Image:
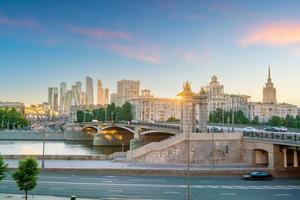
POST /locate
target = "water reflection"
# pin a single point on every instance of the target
(55, 148)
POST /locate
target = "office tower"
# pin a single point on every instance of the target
(106, 96)
(53, 98)
(269, 91)
(75, 96)
(100, 93)
(68, 101)
(127, 89)
(89, 91)
(79, 92)
(62, 92)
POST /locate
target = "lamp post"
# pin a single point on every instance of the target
(2, 125)
(43, 158)
(188, 192)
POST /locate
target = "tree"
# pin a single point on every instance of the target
(127, 111)
(255, 120)
(118, 114)
(80, 116)
(172, 119)
(275, 121)
(99, 114)
(111, 112)
(26, 175)
(3, 168)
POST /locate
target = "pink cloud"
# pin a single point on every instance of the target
(101, 33)
(194, 57)
(147, 54)
(277, 34)
(19, 23)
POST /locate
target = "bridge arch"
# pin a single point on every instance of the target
(117, 128)
(90, 129)
(154, 136)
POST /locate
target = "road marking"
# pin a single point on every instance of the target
(170, 192)
(57, 188)
(231, 194)
(282, 194)
(147, 180)
(115, 190)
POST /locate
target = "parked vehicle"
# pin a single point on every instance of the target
(151, 122)
(216, 129)
(282, 129)
(250, 130)
(257, 175)
(272, 129)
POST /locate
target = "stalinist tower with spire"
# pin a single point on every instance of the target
(269, 92)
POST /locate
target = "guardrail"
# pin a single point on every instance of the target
(286, 137)
(154, 125)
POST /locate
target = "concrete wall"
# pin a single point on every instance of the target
(30, 135)
(225, 148)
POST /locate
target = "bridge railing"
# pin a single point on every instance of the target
(154, 125)
(293, 137)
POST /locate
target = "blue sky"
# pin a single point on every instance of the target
(162, 43)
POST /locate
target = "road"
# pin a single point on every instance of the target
(158, 188)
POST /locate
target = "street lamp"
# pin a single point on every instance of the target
(2, 121)
(43, 158)
(188, 192)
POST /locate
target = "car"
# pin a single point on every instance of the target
(272, 129)
(216, 129)
(250, 130)
(151, 122)
(257, 175)
(282, 129)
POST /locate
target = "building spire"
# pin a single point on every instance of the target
(269, 77)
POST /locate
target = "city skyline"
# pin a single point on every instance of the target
(234, 40)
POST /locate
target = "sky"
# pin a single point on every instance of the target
(161, 43)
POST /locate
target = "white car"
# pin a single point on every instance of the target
(250, 130)
(151, 122)
(282, 129)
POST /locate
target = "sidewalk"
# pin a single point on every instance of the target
(106, 164)
(34, 197)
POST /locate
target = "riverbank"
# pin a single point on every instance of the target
(34, 197)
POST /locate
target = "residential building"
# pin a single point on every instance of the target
(113, 98)
(264, 111)
(147, 107)
(218, 99)
(269, 92)
(16, 105)
(89, 91)
(126, 90)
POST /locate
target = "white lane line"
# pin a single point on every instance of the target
(115, 190)
(52, 188)
(147, 180)
(206, 181)
(228, 194)
(282, 194)
(170, 192)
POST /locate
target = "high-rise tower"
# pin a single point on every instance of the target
(62, 96)
(269, 92)
(89, 91)
(100, 93)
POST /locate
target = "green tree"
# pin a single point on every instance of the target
(255, 120)
(99, 114)
(297, 121)
(26, 175)
(80, 116)
(3, 168)
(10, 118)
(127, 111)
(275, 121)
(111, 112)
(172, 119)
(290, 121)
(118, 114)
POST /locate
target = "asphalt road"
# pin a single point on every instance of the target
(154, 187)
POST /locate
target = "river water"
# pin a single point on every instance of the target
(10, 147)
